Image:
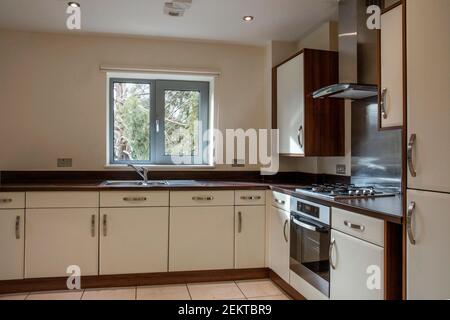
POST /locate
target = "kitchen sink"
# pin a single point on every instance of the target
(139, 183)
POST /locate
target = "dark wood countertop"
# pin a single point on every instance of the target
(388, 209)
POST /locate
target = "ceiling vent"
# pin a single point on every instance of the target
(177, 8)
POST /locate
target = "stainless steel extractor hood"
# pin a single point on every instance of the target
(357, 54)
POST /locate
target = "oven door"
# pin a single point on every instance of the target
(309, 251)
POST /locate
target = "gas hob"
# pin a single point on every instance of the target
(342, 191)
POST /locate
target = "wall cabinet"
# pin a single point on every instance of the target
(58, 238)
(134, 240)
(391, 68)
(353, 260)
(201, 238)
(250, 236)
(308, 127)
(11, 243)
(279, 242)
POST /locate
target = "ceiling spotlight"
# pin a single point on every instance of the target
(248, 18)
(74, 4)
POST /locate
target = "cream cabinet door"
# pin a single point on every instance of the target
(428, 52)
(250, 236)
(11, 244)
(134, 240)
(279, 242)
(391, 46)
(201, 238)
(290, 106)
(358, 272)
(59, 238)
(428, 259)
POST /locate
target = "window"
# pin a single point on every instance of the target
(158, 121)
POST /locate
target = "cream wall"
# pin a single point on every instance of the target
(54, 96)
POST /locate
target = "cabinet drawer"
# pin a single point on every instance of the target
(359, 226)
(281, 201)
(111, 199)
(250, 198)
(201, 198)
(62, 200)
(12, 200)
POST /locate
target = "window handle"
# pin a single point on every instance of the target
(157, 125)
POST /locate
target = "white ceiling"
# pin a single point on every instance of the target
(220, 20)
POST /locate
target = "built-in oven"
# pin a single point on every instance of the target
(310, 243)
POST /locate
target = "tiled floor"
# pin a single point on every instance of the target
(239, 290)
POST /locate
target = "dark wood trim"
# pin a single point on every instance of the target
(393, 234)
(89, 282)
(285, 286)
(380, 128)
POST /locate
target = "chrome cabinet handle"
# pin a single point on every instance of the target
(130, 199)
(354, 226)
(105, 225)
(409, 215)
(157, 125)
(239, 222)
(250, 198)
(6, 200)
(206, 198)
(284, 230)
(300, 131)
(18, 227)
(93, 226)
(411, 144)
(330, 253)
(280, 201)
(383, 103)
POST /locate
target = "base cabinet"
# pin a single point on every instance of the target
(201, 238)
(11, 244)
(358, 272)
(59, 238)
(279, 242)
(250, 236)
(134, 240)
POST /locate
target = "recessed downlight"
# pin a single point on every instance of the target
(248, 18)
(74, 4)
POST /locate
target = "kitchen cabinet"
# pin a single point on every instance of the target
(134, 240)
(428, 99)
(356, 263)
(58, 238)
(279, 242)
(201, 238)
(250, 236)
(11, 243)
(308, 127)
(428, 254)
(391, 82)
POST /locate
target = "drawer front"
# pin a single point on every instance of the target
(281, 201)
(12, 200)
(201, 198)
(250, 198)
(111, 199)
(62, 200)
(359, 226)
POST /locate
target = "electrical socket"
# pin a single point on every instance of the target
(64, 163)
(341, 169)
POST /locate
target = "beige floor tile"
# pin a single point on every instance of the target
(175, 292)
(110, 294)
(259, 288)
(56, 295)
(215, 291)
(15, 296)
(280, 297)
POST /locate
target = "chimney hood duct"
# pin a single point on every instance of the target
(357, 54)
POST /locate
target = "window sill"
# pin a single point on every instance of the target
(162, 167)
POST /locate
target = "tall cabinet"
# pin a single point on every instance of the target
(428, 150)
(308, 127)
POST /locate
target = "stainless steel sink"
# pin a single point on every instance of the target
(153, 183)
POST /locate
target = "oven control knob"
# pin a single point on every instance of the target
(351, 192)
(358, 192)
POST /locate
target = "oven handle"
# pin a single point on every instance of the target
(306, 225)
